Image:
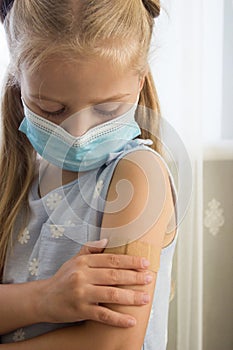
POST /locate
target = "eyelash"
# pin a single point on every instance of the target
(54, 114)
(61, 111)
(105, 113)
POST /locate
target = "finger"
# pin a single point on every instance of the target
(117, 261)
(111, 295)
(107, 316)
(118, 277)
(93, 247)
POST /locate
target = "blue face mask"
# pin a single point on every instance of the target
(83, 153)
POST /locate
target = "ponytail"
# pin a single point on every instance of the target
(17, 165)
(148, 118)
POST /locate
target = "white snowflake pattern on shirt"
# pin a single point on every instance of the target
(57, 231)
(33, 267)
(19, 335)
(24, 236)
(53, 201)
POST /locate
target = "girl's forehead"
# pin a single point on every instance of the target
(73, 69)
(63, 78)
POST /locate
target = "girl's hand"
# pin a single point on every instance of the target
(87, 279)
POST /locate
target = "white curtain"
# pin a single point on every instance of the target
(187, 64)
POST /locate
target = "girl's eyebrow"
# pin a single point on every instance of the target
(95, 101)
(41, 97)
(112, 98)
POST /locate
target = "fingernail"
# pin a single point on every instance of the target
(131, 322)
(103, 241)
(148, 278)
(145, 262)
(146, 298)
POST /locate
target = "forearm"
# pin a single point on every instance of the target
(72, 338)
(92, 334)
(20, 305)
(81, 337)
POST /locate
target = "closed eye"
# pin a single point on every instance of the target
(54, 114)
(106, 113)
(106, 110)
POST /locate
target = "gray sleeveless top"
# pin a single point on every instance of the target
(60, 223)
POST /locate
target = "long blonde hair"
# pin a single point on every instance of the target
(35, 31)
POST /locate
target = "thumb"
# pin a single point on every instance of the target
(93, 247)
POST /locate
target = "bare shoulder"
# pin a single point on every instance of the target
(144, 160)
(148, 170)
(139, 198)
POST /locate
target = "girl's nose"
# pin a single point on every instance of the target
(79, 123)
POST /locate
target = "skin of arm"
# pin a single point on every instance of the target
(15, 314)
(148, 178)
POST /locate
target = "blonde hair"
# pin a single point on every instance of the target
(38, 29)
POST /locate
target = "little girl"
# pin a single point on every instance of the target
(77, 96)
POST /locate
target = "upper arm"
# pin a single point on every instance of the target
(138, 207)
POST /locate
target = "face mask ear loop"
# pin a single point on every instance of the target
(22, 100)
(25, 107)
(138, 98)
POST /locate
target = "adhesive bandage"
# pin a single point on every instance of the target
(138, 248)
